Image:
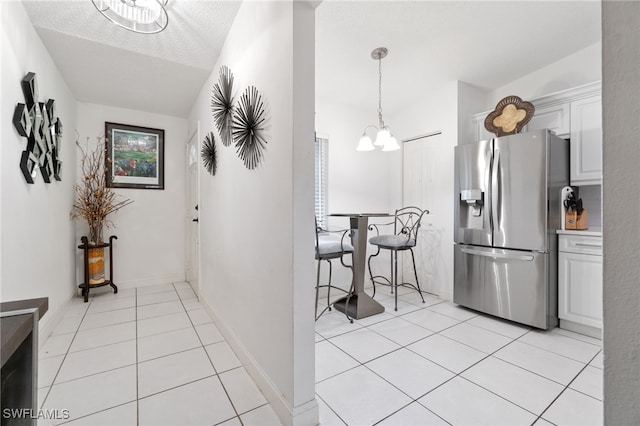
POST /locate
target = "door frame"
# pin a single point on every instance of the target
(194, 137)
(404, 202)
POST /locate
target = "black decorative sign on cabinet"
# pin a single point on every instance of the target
(37, 122)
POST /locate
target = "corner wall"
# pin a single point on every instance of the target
(435, 113)
(38, 244)
(256, 226)
(621, 153)
(150, 248)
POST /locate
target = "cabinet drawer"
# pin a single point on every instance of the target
(580, 244)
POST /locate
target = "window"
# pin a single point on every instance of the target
(322, 157)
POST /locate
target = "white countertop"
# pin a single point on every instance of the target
(594, 232)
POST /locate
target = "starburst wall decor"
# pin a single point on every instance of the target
(222, 105)
(209, 154)
(249, 125)
(242, 123)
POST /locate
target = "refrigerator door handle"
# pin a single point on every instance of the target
(523, 257)
(496, 187)
(490, 190)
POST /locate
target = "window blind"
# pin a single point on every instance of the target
(321, 169)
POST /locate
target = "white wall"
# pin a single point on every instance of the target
(582, 67)
(257, 225)
(358, 181)
(38, 244)
(150, 248)
(435, 113)
(621, 109)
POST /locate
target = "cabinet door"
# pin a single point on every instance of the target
(554, 118)
(580, 288)
(586, 141)
(480, 133)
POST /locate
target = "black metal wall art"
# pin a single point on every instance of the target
(222, 105)
(249, 122)
(37, 122)
(209, 155)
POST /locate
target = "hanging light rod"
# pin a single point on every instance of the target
(140, 16)
(384, 138)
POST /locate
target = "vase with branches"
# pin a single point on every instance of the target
(95, 202)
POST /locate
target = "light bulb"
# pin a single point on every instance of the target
(383, 137)
(391, 145)
(365, 143)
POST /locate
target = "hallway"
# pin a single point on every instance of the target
(145, 356)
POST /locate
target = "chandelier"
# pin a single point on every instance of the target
(140, 16)
(384, 138)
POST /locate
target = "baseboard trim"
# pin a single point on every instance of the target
(45, 329)
(305, 414)
(145, 282)
(587, 330)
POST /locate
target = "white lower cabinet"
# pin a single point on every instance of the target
(580, 283)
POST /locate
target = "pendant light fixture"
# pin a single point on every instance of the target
(140, 16)
(384, 138)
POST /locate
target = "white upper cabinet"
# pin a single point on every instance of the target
(480, 133)
(574, 113)
(552, 117)
(586, 141)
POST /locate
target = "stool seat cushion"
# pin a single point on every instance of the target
(393, 241)
(329, 244)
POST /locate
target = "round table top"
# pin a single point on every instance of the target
(360, 214)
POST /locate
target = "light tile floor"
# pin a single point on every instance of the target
(146, 356)
(438, 363)
(152, 356)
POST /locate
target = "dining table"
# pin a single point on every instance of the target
(360, 304)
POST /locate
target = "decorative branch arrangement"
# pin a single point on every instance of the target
(95, 201)
(209, 154)
(249, 127)
(222, 105)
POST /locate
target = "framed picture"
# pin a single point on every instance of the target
(135, 156)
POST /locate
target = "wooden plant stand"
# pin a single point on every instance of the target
(85, 286)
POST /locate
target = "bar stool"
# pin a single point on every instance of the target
(329, 246)
(406, 225)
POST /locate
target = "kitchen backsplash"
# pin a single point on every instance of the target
(592, 201)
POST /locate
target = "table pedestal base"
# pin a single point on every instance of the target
(360, 306)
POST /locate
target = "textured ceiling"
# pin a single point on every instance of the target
(103, 63)
(484, 43)
(487, 44)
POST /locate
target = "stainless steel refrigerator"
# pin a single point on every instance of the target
(507, 210)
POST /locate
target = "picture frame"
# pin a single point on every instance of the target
(134, 156)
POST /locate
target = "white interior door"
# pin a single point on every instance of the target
(428, 183)
(192, 216)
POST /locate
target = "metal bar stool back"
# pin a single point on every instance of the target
(329, 246)
(406, 227)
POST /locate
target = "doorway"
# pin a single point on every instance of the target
(192, 215)
(427, 183)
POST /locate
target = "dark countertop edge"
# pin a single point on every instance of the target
(15, 329)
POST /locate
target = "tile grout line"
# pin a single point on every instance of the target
(568, 387)
(332, 410)
(75, 333)
(137, 363)
(512, 339)
(216, 374)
